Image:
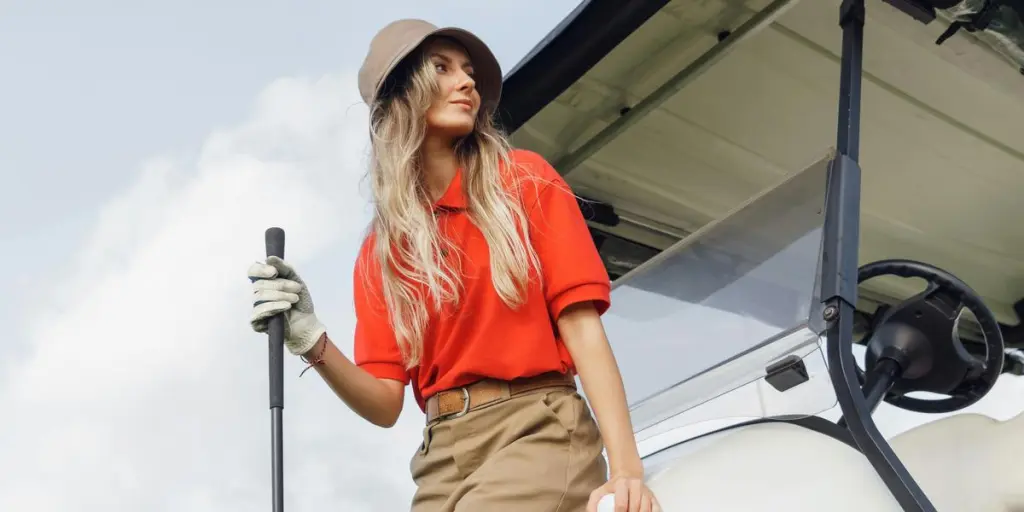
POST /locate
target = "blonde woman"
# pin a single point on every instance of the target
(479, 287)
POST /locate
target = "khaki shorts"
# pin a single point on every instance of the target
(539, 451)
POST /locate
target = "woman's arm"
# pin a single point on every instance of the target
(379, 401)
(583, 334)
(577, 290)
(278, 289)
(581, 330)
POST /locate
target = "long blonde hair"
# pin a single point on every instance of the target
(408, 245)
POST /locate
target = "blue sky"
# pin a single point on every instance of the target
(146, 148)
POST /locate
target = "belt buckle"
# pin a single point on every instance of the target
(465, 406)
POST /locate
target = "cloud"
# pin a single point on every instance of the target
(144, 388)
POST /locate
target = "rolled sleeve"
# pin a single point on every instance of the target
(375, 348)
(572, 269)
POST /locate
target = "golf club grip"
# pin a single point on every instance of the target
(275, 329)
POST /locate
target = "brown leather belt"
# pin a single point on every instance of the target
(455, 402)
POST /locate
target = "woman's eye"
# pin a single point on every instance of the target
(439, 67)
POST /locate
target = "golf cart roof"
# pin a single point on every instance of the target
(673, 113)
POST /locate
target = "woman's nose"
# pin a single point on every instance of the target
(466, 81)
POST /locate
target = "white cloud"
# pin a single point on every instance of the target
(146, 390)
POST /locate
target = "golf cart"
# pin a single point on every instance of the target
(772, 286)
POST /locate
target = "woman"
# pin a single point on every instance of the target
(478, 285)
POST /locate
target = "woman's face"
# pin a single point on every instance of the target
(453, 113)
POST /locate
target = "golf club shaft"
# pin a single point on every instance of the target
(275, 333)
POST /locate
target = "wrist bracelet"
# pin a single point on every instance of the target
(319, 359)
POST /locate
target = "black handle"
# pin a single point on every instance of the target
(275, 328)
(275, 333)
(275, 242)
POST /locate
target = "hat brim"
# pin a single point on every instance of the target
(487, 70)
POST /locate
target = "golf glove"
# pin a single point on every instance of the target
(277, 289)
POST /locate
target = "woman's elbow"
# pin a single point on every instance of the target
(389, 405)
(386, 422)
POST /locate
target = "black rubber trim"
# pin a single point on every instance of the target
(819, 425)
(577, 44)
(815, 423)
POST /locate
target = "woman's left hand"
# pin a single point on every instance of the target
(631, 495)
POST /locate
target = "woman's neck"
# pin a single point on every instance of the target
(439, 166)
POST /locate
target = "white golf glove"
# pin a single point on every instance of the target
(279, 289)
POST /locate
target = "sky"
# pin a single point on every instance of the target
(147, 146)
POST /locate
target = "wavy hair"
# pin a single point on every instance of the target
(408, 245)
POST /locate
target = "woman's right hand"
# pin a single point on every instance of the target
(277, 288)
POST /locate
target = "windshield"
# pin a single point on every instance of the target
(709, 314)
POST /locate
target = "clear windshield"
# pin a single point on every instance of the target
(708, 315)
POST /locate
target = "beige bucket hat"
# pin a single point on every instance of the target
(400, 38)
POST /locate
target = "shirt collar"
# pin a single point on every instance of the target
(453, 198)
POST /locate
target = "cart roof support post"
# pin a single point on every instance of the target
(839, 269)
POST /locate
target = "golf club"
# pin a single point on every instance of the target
(275, 333)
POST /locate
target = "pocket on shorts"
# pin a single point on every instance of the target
(564, 407)
(421, 451)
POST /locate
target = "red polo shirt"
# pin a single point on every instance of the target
(482, 337)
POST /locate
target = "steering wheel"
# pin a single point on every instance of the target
(922, 332)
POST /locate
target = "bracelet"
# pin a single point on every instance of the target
(319, 359)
